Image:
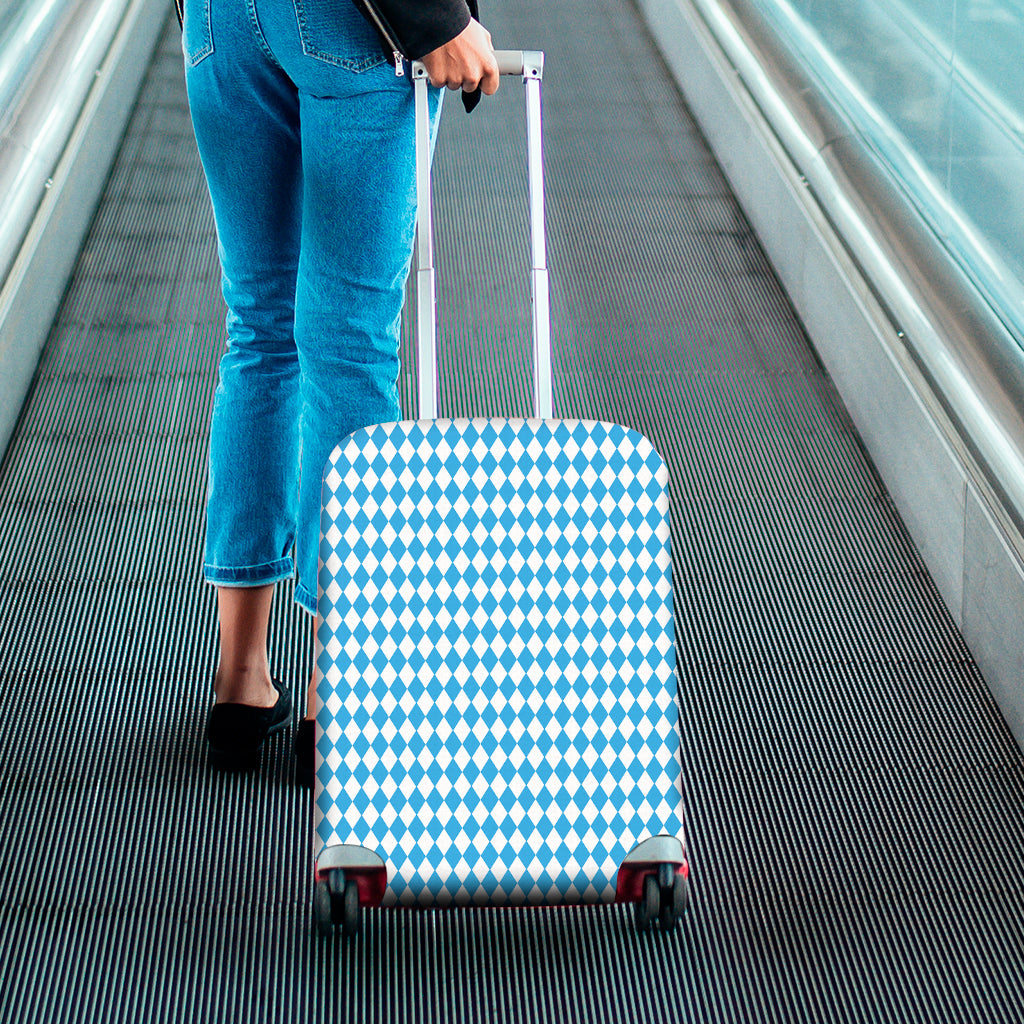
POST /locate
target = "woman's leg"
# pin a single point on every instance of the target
(245, 115)
(357, 231)
(358, 226)
(243, 675)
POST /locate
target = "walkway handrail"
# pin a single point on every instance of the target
(972, 360)
(49, 97)
(69, 74)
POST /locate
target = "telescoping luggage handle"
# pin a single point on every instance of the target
(529, 64)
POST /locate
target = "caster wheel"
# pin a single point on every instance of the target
(667, 915)
(336, 885)
(649, 905)
(351, 918)
(322, 909)
(681, 895)
(675, 899)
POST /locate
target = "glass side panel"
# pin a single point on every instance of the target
(936, 88)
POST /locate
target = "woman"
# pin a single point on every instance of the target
(305, 125)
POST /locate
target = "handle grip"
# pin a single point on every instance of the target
(524, 63)
(528, 63)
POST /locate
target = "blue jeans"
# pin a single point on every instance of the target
(306, 137)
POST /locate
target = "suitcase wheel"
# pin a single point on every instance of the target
(681, 894)
(649, 904)
(336, 901)
(675, 900)
(350, 916)
(322, 909)
(665, 898)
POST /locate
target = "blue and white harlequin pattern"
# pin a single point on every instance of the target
(495, 657)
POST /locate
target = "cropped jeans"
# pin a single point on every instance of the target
(306, 138)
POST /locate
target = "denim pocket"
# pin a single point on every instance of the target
(336, 33)
(196, 36)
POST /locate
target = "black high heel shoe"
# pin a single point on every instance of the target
(236, 732)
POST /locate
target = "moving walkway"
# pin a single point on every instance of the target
(855, 796)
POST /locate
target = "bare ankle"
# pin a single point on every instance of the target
(245, 686)
(311, 699)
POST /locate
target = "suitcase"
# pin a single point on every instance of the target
(495, 658)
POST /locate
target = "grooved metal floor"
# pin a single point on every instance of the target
(855, 803)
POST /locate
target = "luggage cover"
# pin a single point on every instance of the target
(495, 658)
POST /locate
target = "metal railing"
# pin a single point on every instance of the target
(69, 73)
(951, 289)
(52, 53)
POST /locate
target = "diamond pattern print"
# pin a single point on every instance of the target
(495, 657)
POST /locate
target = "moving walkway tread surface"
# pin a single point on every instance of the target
(855, 803)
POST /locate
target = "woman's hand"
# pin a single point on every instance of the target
(467, 61)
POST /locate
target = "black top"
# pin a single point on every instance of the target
(424, 25)
(420, 26)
